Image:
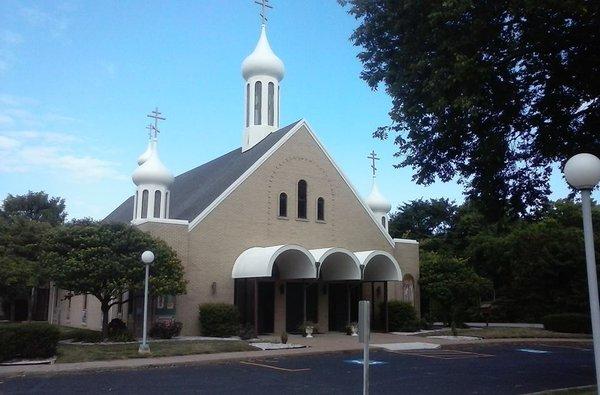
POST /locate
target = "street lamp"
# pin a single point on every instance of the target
(582, 172)
(147, 259)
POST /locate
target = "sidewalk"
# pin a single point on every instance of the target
(320, 344)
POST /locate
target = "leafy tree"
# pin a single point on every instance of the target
(104, 260)
(21, 270)
(492, 93)
(422, 218)
(35, 206)
(451, 286)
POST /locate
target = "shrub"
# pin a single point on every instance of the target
(33, 340)
(166, 329)
(402, 317)
(85, 336)
(567, 323)
(247, 332)
(219, 319)
(284, 337)
(118, 332)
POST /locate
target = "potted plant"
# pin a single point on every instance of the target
(308, 328)
(352, 329)
(284, 337)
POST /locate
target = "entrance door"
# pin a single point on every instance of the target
(266, 307)
(294, 306)
(338, 307)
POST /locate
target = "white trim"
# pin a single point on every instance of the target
(406, 241)
(322, 254)
(365, 257)
(244, 176)
(160, 221)
(259, 261)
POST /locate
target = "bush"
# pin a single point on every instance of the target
(33, 340)
(247, 332)
(402, 317)
(567, 323)
(85, 336)
(118, 332)
(219, 320)
(166, 329)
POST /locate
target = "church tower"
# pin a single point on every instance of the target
(262, 71)
(378, 204)
(152, 178)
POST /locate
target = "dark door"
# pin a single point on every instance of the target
(338, 307)
(294, 306)
(266, 307)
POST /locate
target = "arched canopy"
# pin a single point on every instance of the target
(379, 266)
(337, 264)
(284, 261)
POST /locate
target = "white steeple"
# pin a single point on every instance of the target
(153, 179)
(378, 204)
(262, 70)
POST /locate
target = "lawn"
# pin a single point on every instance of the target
(511, 333)
(98, 352)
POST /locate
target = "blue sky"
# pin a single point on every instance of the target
(77, 79)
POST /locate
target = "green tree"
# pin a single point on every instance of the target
(492, 93)
(451, 286)
(35, 206)
(21, 270)
(103, 260)
(419, 219)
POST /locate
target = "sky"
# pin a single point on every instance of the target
(77, 79)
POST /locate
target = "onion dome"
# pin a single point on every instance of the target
(377, 202)
(263, 61)
(152, 171)
(144, 157)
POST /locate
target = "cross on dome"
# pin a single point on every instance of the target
(373, 157)
(157, 116)
(264, 4)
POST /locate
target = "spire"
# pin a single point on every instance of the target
(378, 204)
(263, 71)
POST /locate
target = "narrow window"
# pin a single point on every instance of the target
(135, 205)
(145, 203)
(120, 305)
(283, 204)
(383, 221)
(247, 105)
(271, 104)
(321, 209)
(257, 103)
(157, 204)
(85, 302)
(302, 199)
(167, 204)
(278, 112)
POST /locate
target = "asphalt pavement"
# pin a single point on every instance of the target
(468, 369)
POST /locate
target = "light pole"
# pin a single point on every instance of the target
(582, 172)
(147, 259)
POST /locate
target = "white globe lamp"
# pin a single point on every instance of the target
(582, 171)
(147, 259)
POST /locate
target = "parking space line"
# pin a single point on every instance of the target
(274, 367)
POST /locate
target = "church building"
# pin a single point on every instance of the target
(274, 227)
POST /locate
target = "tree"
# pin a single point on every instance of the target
(21, 271)
(103, 260)
(492, 93)
(35, 206)
(420, 218)
(451, 286)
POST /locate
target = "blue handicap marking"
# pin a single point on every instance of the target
(532, 351)
(360, 362)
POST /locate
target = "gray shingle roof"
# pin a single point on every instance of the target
(196, 189)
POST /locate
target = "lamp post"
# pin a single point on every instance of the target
(147, 259)
(582, 172)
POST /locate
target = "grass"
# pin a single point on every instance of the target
(98, 352)
(511, 333)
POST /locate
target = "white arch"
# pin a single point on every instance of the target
(379, 266)
(292, 262)
(337, 264)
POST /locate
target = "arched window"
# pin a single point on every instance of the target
(145, 204)
(320, 209)
(383, 221)
(247, 105)
(278, 112)
(283, 204)
(271, 103)
(157, 204)
(135, 205)
(167, 203)
(302, 199)
(257, 103)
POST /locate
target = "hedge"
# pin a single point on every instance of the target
(26, 341)
(567, 323)
(166, 329)
(402, 317)
(219, 320)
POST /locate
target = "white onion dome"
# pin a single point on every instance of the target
(377, 202)
(263, 61)
(144, 157)
(152, 170)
